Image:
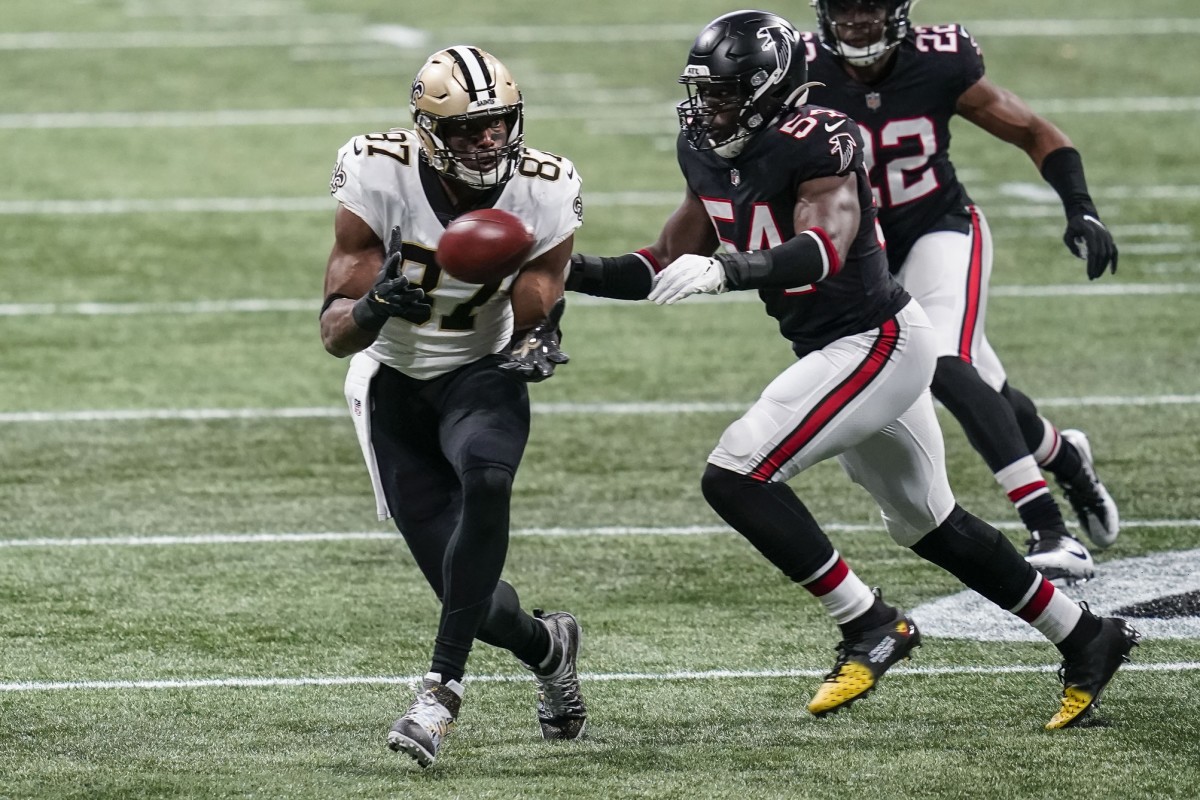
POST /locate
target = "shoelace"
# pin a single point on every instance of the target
(431, 715)
(1082, 489)
(843, 656)
(560, 693)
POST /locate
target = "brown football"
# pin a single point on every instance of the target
(484, 246)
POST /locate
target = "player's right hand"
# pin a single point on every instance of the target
(1087, 238)
(688, 275)
(392, 296)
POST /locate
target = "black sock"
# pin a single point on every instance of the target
(1067, 465)
(880, 613)
(1042, 514)
(1084, 631)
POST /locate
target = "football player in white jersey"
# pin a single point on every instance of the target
(437, 382)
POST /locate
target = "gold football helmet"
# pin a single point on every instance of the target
(465, 85)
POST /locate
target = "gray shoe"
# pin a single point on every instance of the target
(421, 730)
(560, 709)
(1093, 505)
(1062, 559)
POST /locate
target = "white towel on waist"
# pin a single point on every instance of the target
(358, 397)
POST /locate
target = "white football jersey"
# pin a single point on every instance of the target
(377, 178)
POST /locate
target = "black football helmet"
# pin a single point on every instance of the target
(895, 27)
(748, 62)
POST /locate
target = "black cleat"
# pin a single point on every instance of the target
(561, 712)
(1085, 676)
(861, 663)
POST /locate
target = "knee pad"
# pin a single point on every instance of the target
(482, 483)
(1033, 427)
(956, 380)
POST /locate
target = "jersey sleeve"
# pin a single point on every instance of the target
(822, 143)
(556, 207)
(364, 184)
(955, 53)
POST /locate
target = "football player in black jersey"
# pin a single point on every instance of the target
(902, 84)
(783, 186)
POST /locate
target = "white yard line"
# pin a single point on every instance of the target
(616, 409)
(389, 116)
(587, 677)
(406, 37)
(262, 305)
(1039, 198)
(196, 539)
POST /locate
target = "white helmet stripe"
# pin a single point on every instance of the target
(474, 69)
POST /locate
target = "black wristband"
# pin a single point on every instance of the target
(1063, 170)
(366, 317)
(627, 277)
(808, 257)
(330, 301)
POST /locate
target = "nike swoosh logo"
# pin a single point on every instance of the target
(1081, 555)
(831, 128)
(357, 148)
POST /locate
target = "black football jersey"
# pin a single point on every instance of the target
(905, 122)
(751, 201)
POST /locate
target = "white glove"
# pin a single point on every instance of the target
(688, 275)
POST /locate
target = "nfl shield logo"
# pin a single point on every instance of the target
(873, 101)
(735, 177)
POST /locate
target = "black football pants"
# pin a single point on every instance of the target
(448, 449)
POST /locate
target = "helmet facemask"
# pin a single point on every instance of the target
(891, 20)
(745, 67)
(460, 90)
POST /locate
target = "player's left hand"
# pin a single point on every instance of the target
(534, 354)
(687, 275)
(1087, 238)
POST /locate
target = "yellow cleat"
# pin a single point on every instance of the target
(861, 663)
(1085, 675)
(1075, 704)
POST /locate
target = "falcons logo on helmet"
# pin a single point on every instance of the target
(843, 146)
(783, 41)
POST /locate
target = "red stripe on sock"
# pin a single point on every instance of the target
(1022, 492)
(830, 580)
(1037, 604)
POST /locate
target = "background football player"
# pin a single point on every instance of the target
(437, 393)
(784, 186)
(902, 85)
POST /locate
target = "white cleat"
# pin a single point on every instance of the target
(1093, 505)
(1063, 560)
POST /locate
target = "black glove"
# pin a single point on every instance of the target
(391, 296)
(534, 354)
(1087, 238)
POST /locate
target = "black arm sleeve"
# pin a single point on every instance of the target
(1063, 170)
(805, 258)
(627, 277)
